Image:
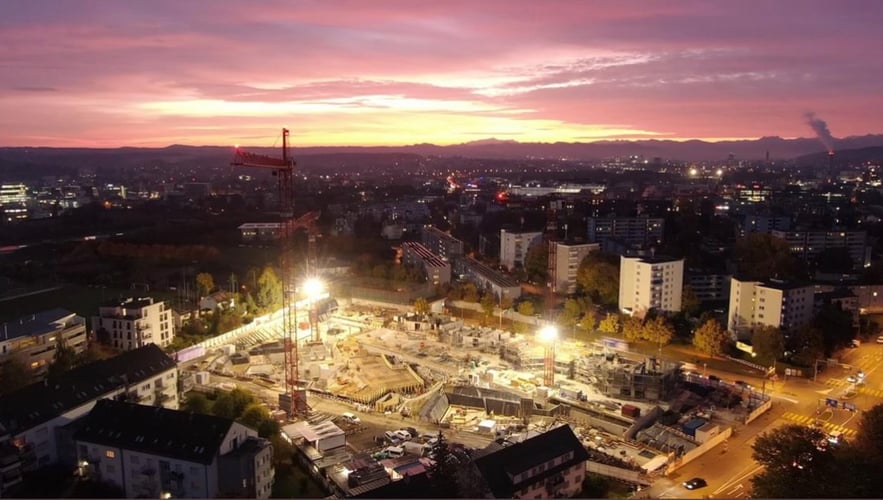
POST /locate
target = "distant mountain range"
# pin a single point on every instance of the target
(804, 149)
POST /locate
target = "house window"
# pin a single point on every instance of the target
(110, 454)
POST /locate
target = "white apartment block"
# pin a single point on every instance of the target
(647, 283)
(773, 303)
(35, 416)
(564, 261)
(33, 339)
(514, 246)
(152, 452)
(437, 271)
(135, 323)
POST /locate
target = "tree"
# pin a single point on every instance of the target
(870, 435)
(197, 403)
(807, 344)
(470, 292)
(573, 311)
(796, 463)
(689, 301)
(589, 320)
(526, 308)
(711, 337)
(659, 331)
(768, 344)
(836, 326)
(204, 284)
(536, 263)
(232, 404)
(595, 486)
(610, 324)
(421, 306)
(633, 329)
(598, 276)
(488, 304)
(65, 358)
(253, 415)
(14, 375)
(269, 290)
(443, 471)
(762, 255)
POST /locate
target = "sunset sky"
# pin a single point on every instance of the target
(152, 73)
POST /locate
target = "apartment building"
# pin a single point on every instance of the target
(441, 243)
(514, 246)
(629, 230)
(772, 303)
(34, 416)
(135, 323)
(33, 339)
(550, 465)
(564, 261)
(151, 452)
(647, 283)
(755, 223)
(260, 231)
(438, 271)
(807, 245)
(709, 285)
(484, 277)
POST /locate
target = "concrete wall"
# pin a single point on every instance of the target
(700, 450)
(760, 410)
(631, 476)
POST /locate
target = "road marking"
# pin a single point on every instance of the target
(808, 421)
(739, 478)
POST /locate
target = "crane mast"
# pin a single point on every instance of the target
(294, 399)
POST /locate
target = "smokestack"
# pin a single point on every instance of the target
(830, 161)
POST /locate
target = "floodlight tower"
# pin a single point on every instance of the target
(548, 335)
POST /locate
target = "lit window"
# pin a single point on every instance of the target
(110, 454)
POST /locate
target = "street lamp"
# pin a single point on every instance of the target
(548, 335)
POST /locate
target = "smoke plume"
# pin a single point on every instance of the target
(821, 129)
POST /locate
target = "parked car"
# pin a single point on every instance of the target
(880, 339)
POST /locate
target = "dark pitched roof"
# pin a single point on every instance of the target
(499, 467)
(42, 401)
(152, 429)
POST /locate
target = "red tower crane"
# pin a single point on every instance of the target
(294, 399)
(283, 169)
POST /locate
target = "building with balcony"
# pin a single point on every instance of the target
(647, 283)
(775, 303)
(550, 465)
(151, 452)
(438, 270)
(33, 339)
(35, 416)
(441, 243)
(135, 323)
(514, 246)
(564, 261)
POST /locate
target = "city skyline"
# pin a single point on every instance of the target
(109, 74)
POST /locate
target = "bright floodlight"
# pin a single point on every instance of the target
(548, 334)
(313, 287)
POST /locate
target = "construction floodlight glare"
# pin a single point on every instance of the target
(548, 334)
(313, 287)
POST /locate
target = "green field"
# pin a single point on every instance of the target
(81, 300)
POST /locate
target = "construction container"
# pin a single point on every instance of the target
(202, 378)
(690, 427)
(630, 411)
